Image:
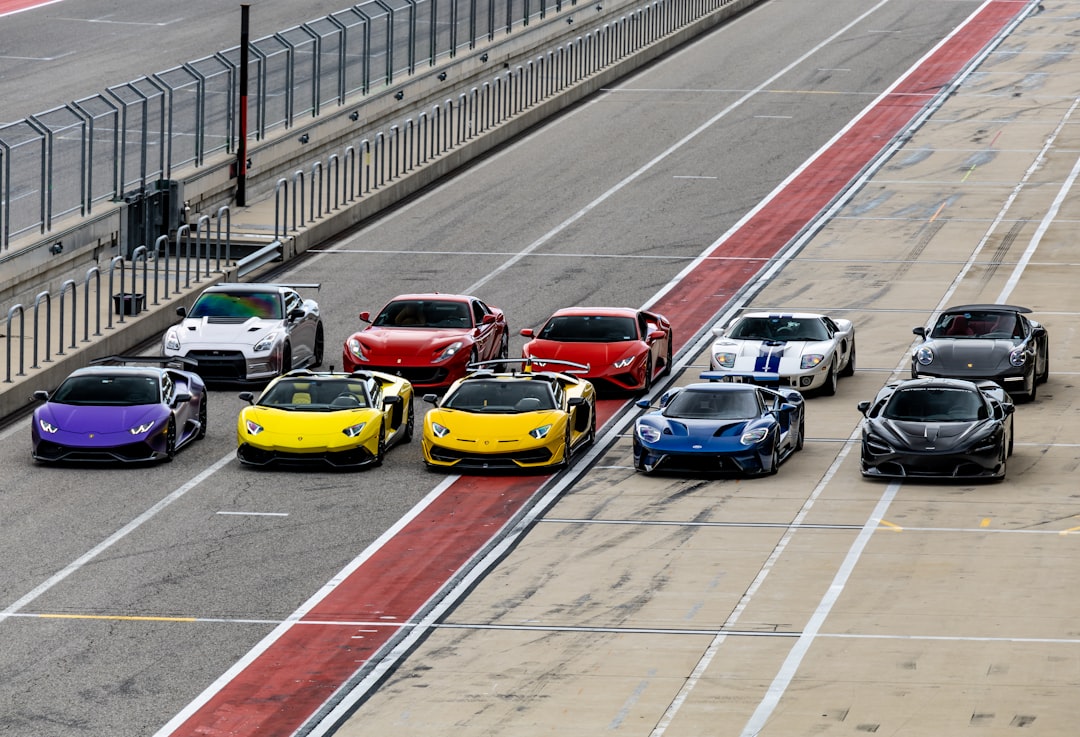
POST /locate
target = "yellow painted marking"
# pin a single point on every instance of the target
(968, 174)
(1069, 531)
(937, 212)
(895, 528)
(985, 522)
(118, 616)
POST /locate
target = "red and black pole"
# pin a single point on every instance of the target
(241, 151)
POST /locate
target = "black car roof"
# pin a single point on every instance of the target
(988, 307)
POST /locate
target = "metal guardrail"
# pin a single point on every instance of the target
(362, 167)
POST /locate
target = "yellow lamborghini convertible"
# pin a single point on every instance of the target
(338, 419)
(491, 420)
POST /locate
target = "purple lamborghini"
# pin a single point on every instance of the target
(119, 413)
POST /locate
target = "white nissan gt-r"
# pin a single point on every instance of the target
(248, 332)
(800, 350)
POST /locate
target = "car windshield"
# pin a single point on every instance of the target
(415, 313)
(779, 327)
(244, 305)
(702, 404)
(589, 329)
(111, 391)
(510, 397)
(316, 395)
(935, 404)
(978, 324)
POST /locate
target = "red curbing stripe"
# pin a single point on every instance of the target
(282, 687)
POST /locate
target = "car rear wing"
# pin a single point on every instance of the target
(180, 362)
(758, 378)
(528, 364)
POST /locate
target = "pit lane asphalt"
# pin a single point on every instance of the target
(248, 570)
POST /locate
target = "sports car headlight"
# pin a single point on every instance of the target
(925, 356)
(540, 432)
(266, 343)
(356, 348)
(648, 433)
(624, 362)
(810, 360)
(1018, 357)
(253, 428)
(172, 340)
(354, 430)
(724, 360)
(750, 437)
(140, 429)
(439, 431)
(47, 426)
(449, 351)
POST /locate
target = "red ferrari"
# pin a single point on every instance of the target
(428, 339)
(624, 348)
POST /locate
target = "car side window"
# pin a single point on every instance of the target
(292, 301)
(479, 310)
(831, 327)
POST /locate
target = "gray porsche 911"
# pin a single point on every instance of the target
(992, 342)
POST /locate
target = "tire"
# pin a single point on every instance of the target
(380, 452)
(319, 347)
(504, 349)
(670, 358)
(202, 418)
(849, 367)
(567, 447)
(591, 438)
(286, 359)
(648, 375)
(1041, 378)
(802, 434)
(410, 424)
(1029, 396)
(774, 462)
(170, 440)
(828, 389)
(1012, 436)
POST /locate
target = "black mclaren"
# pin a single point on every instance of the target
(937, 428)
(985, 341)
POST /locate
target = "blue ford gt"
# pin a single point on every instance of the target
(722, 426)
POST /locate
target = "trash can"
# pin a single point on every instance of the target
(128, 303)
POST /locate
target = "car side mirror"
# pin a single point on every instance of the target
(920, 331)
(181, 311)
(247, 397)
(488, 319)
(181, 398)
(40, 394)
(431, 398)
(718, 331)
(1039, 331)
(297, 313)
(527, 332)
(1008, 409)
(392, 400)
(365, 316)
(786, 407)
(863, 407)
(577, 401)
(656, 335)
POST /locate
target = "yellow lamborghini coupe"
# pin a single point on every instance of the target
(338, 419)
(491, 420)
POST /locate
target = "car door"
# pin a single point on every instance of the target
(487, 333)
(301, 330)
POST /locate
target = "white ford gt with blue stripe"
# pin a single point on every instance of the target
(805, 350)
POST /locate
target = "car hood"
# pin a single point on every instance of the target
(83, 419)
(214, 331)
(939, 436)
(976, 351)
(696, 434)
(770, 356)
(410, 342)
(307, 423)
(599, 357)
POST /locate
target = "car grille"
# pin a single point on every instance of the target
(416, 375)
(490, 460)
(220, 365)
(131, 453)
(340, 459)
